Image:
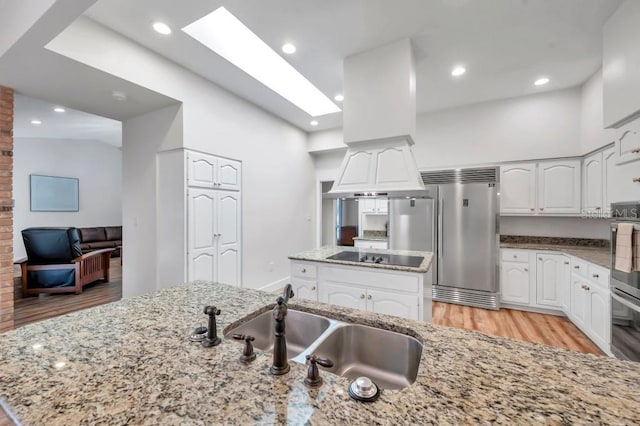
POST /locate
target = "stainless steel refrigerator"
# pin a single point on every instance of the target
(457, 218)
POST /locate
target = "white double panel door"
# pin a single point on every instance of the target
(214, 236)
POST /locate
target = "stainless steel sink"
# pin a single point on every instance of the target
(302, 330)
(390, 359)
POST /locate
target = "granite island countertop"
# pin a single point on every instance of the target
(129, 362)
(321, 254)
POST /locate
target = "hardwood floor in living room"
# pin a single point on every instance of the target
(31, 309)
(519, 325)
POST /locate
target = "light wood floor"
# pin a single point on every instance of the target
(519, 325)
(526, 326)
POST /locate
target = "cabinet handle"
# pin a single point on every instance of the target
(576, 267)
(541, 208)
(566, 263)
(596, 276)
(303, 270)
(313, 288)
(636, 150)
(540, 259)
(533, 210)
(597, 208)
(515, 256)
(636, 180)
(369, 297)
(526, 269)
(362, 296)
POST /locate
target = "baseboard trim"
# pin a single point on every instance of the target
(532, 309)
(276, 285)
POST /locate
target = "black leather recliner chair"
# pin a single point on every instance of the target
(55, 263)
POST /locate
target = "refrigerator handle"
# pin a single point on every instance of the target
(440, 237)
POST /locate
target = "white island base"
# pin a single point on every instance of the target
(373, 288)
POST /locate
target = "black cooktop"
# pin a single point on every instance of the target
(379, 258)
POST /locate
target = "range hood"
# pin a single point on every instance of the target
(379, 115)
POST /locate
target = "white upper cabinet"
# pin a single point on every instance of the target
(518, 188)
(592, 183)
(628, 142)
(209, 171)
(545, 188)
(621, 64)
(559, 187)
(608, 181)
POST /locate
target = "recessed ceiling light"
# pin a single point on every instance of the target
(288, 48)
(339, 98)
(36, 122)
(59, 109)
(314, 123)
(119, 96)
(224, 34)
(541, 81)
(162, 28)
(458, 71)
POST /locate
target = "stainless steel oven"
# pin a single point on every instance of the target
(625, 290)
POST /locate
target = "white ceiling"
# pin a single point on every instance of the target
(504, 44)
(71, 124)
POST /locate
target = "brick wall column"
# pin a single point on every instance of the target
(6, 209)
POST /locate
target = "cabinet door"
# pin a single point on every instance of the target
(201, 170)
(599, 321)
(201, 245)
(515, 282)
(367, 205)
(628, 143)
(229, 174)
(579, 301)
(559, 187)
(517, 188)
(592, 184)
(228, 237)
(549, 276)
(305, 289)
(565, 286)
(608, 180)
(400, 305)
(342, 295)
(382, 206)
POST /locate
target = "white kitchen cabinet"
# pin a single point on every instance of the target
(550, 276)
(592, 183)
(544, 188)
(599, 319)
(628, 142)
(304, 280)
(579, 301)
(210, 171)
(608, 180)
(375, 244)
(515, 282)
(559, 187)
(621, 64)
(373, 205)
(201, 221)
(386, 292)
(343, 295)
(518, 188)
(565, 286)
(213, 244)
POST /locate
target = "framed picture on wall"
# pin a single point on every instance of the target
(54, 194)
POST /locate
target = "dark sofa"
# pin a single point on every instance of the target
(100, 237)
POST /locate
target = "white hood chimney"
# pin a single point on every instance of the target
(379, 121)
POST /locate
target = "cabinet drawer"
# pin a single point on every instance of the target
(515, 256)
(303, 270)
(579, 267)
(598, 275)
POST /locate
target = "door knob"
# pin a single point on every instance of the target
(369, 297)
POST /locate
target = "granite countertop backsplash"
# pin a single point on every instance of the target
(596, 251)
(129, 362)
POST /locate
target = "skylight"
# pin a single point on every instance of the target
(223, 33)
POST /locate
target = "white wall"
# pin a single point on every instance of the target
(592, 133)
(97, 165)
(278, 175)
(538, 126)
(555, 227)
